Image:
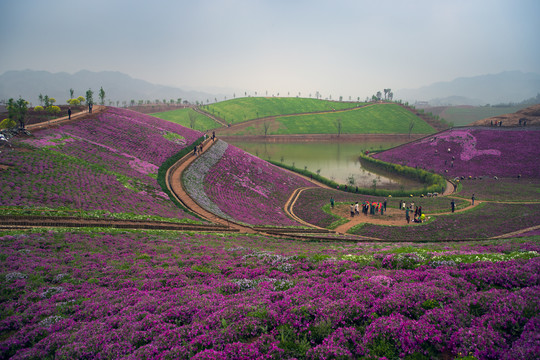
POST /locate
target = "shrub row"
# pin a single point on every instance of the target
(432, 182)
(162, 172)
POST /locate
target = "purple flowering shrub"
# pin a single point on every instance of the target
(503, 189)
(248, 189)
(104, 164)
(312, 203)
(473, 152)
(128, 132)
(204, 296)
(502, 219)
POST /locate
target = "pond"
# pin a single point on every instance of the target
(337, 161)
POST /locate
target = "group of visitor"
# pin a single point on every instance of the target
(198, 149)
(373, 208)
(418, 217)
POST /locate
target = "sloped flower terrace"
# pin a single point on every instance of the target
(501, 152)
(105, 164)
(241, 187)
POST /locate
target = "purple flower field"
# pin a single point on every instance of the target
(117, 294)
(242, 186)
(108, 164)
(161, 295)
(485, 221)
(473, 152)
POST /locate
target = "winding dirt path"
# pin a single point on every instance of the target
(174, 184)
(97, 109)
(392, 216)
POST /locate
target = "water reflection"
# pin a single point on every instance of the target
(334, 160)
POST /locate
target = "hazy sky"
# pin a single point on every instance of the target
(349, 48)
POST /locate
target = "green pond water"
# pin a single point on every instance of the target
(336, 161)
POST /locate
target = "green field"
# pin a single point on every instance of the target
(181, 116)
(460, 116)
(375, 119)
(243, 109)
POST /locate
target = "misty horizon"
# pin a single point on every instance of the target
(343, 48)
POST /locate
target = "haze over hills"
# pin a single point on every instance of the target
(118, 87)
(505, 87)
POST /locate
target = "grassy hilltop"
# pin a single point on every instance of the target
(289, 116)
(249, 108)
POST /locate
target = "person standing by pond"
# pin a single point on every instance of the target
(453, 205)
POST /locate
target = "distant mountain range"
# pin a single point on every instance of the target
(117, 86)
(506, 87)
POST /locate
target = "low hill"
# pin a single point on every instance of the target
(505, 87)
(248, 108)
(466, 115)
(188, 117)
(378, 118)
(473, 151)
(529, 116)
(103, 165)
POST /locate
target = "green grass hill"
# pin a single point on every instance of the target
(248, 108)
(184, 117)
(370, 119)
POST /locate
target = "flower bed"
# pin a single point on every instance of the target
(474, 152)
(502, 219)
(174, 296)
(243, 187)
(504, 189)
(107, 164)
(312, 203)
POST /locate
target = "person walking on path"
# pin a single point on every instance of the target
(332, 202)
(384, 204)
(407, 215)
(69, 113)
(453, 205)
(352, 210)
(356, 209)
(472, 198)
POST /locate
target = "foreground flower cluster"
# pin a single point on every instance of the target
(501, 152)
(108, 163)
(171, 296)
(242, 187)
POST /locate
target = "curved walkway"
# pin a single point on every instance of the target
(173, 179)
(342, 229)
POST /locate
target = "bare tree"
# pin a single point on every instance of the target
(411, 126)
(266, 127)
(192, 119)
(338, 125)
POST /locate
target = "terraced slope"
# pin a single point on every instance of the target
(473, 151)
(103, 165)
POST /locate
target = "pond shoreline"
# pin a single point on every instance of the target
(322, 138)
